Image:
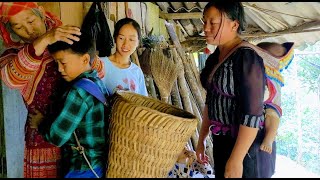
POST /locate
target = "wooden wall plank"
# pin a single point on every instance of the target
(53, 7)
(152, 18)
(72, 13)
(15, 115)
(190, 15)
(113, 11)
(121, 12)
(136, 11)
(86, 7)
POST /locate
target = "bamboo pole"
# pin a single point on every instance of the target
(209, 147)
(194, 67)
(191, 80)
(196, 112)
(150, 85)
(177, 56)
(185, 96)
(195, 136)
(195, 139)
(189, 145)
(175, 95)
(197, 76)
(209, 150)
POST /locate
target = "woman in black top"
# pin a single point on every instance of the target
(234, 78)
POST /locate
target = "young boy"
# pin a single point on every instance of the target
(81, 112)
(272, 117)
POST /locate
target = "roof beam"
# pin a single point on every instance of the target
(190, 15)
(304, 28)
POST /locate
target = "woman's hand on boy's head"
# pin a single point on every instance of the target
(67, 33)
(62, 33)
(35, 119)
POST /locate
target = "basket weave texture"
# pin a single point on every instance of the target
(146, 136)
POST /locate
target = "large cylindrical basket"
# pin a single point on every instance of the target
(146, 136)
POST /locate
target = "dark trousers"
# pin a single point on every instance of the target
(256, 164)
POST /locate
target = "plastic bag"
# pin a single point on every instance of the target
(188, 167)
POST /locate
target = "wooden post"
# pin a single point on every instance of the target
(3, 166)
(86, 7)
(14, 115)
(53, 7)
(72, 13)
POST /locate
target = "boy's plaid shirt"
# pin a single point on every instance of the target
(84, 114)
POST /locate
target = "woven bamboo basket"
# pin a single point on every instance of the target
(146, 136)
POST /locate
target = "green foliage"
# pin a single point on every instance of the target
(300, 103)
(309, 70)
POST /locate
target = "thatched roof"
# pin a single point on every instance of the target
(267, 21)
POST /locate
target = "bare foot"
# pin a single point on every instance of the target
(266, 146)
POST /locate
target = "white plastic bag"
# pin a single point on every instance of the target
(188, 167)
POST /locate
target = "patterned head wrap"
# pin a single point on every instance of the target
(8, 9)
(8, 39)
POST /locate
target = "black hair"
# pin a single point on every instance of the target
(123, 22)
(266, 45)
(234, 10)
(83, 46)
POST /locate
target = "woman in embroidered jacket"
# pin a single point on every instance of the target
(234, 78)
(26, 30)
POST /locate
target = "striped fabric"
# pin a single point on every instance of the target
(274, 98)
(235, 95)
(42, 163)
(287, 59)
(24, 71)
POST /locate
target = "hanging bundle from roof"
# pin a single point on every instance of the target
(96, 24)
